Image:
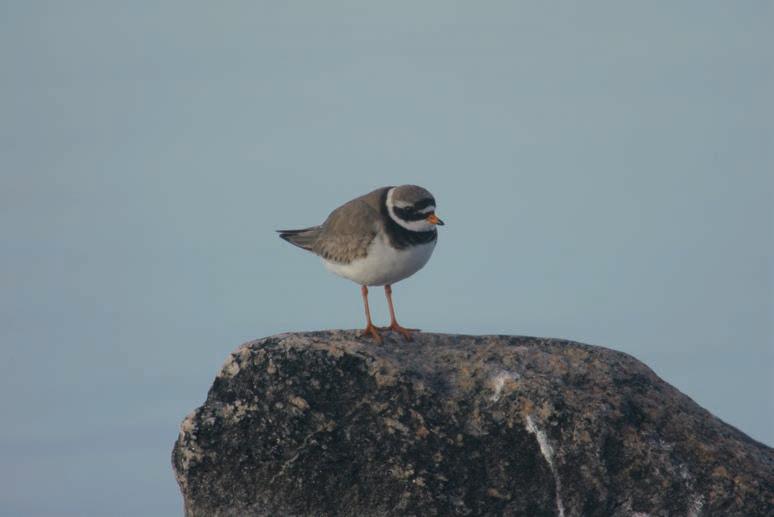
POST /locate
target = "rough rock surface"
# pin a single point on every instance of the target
(328, 423)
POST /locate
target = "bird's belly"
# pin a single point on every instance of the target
(384, 264)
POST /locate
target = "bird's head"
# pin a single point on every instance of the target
(413, 208)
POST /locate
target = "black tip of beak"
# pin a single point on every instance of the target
(440, 223)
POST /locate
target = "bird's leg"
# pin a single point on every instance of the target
(370, 328)
(406, 333)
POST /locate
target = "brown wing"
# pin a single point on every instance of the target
(348, 231)
(304, 238)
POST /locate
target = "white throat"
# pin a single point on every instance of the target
(415, 226)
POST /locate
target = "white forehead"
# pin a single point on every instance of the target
(403, 204)
(425, 210)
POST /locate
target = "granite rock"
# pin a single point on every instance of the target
(332, 424)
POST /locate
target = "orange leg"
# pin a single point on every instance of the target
(370, 328)
(406, 333)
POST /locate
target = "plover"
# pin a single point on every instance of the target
(375, 240)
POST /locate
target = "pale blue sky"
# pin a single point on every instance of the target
(605, 173)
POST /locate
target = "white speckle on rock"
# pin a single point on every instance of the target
(548, 453)
(497, 383)
(230, 369)
(545, 447)
(191, 453)
(232, 365)
(697, 500)
(393, 425)
(236, 411)
(299, 402)
(188, 425)
(697, 503)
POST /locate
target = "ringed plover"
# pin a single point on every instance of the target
(375, 240)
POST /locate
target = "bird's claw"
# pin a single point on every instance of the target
(403, 331)
(373, 331)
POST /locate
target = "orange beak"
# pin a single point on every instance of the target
(433, 219)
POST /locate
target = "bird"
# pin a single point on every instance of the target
(377, 239)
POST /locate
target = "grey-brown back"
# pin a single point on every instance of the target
(346, 233)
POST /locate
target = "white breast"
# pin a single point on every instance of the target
(384, 264)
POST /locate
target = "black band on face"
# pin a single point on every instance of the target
(409, 214)
(424, 203)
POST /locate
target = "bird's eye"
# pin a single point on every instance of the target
(423, 204)
(409, 213)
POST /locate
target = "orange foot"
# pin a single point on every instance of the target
(373, 331)
(403, 331)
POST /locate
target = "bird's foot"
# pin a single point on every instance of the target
(373, 331)
(403, 331)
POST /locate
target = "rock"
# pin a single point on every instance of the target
(328, 423)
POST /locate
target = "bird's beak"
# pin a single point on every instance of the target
(433, 219)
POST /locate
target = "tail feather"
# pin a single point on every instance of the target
(304, 238)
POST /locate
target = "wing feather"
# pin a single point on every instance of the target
(348, 232)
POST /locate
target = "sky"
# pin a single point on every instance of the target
(605, 172)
